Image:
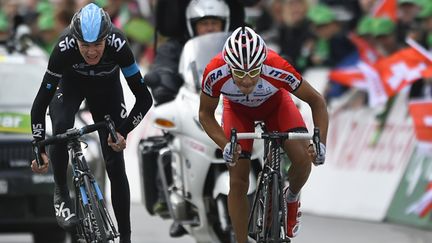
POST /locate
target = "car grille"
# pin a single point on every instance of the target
(15, 154)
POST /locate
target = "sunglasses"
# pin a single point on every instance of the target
(241, 74)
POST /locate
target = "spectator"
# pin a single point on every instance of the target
(295, 38)
(47, 32)
(351, 11)
(383, 30)
(331, 44)
(51, 21)
(425, 19)
(406, 25)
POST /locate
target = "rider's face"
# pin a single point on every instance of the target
(247, 83)
(92, 52)
(208, 25)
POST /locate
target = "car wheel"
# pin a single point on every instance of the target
(49, 236)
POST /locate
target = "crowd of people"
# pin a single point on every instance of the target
(47, 19)
(308, 33)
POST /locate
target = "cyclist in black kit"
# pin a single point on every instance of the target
(85, 64)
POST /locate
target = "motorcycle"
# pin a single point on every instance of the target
(192, 171)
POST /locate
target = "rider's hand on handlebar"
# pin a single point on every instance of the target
(44, 168)
(120, 145)
(318, 159)
(228, 156)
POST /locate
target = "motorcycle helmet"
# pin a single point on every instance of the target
(199, 9)
(244, 49)
(91, 24)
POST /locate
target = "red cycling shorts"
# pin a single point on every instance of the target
(279, 114)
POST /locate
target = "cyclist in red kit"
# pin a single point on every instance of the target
(256, 84)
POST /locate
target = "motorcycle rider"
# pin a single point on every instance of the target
(255, 83)
(85, 64)
(203, 17)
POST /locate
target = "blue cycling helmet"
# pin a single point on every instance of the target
(91, 24)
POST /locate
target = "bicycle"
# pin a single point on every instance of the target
(266, 224)
(95, 224)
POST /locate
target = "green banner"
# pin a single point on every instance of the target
(12, 122)
(412, 203)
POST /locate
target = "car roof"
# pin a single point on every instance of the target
(33, 54)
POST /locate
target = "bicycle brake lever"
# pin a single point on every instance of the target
(233, 140)
(111, 128)
(37, 154)
(316, 140)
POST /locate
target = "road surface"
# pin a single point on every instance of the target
(315, 230)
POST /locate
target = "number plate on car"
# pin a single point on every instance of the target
(3, 186)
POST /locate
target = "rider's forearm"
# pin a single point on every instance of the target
(40, 105)
(320, 117)
(143, 102)
(213, 129)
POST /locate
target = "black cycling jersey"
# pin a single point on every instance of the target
(69, 80)
(66, 61)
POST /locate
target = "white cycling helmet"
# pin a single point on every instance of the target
(244, 49)
(198, 9)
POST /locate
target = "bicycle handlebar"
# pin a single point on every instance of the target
(315, 137)
(72, 134)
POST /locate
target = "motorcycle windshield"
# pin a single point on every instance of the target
(195, 56)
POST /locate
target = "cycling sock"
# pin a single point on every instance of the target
(292, 197)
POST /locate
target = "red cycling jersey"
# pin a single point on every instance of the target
(276, 74)
(269, 102)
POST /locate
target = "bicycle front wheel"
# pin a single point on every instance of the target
(275, 208)
(97, 226)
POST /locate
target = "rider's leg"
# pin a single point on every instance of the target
(297, 176)
(286, 117)
(238, 205)
(62, 109)
(109, 101)
(300, 164)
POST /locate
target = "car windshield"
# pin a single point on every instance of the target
(20, 82)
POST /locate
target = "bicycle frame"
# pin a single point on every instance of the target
(265, 223)
(89, 198)
(270, 181)
(95, 224)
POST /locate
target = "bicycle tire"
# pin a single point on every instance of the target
(82, 212)
(275, 205)
(266, 210)
(98, 225)
(106, 217)
(254, 222)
